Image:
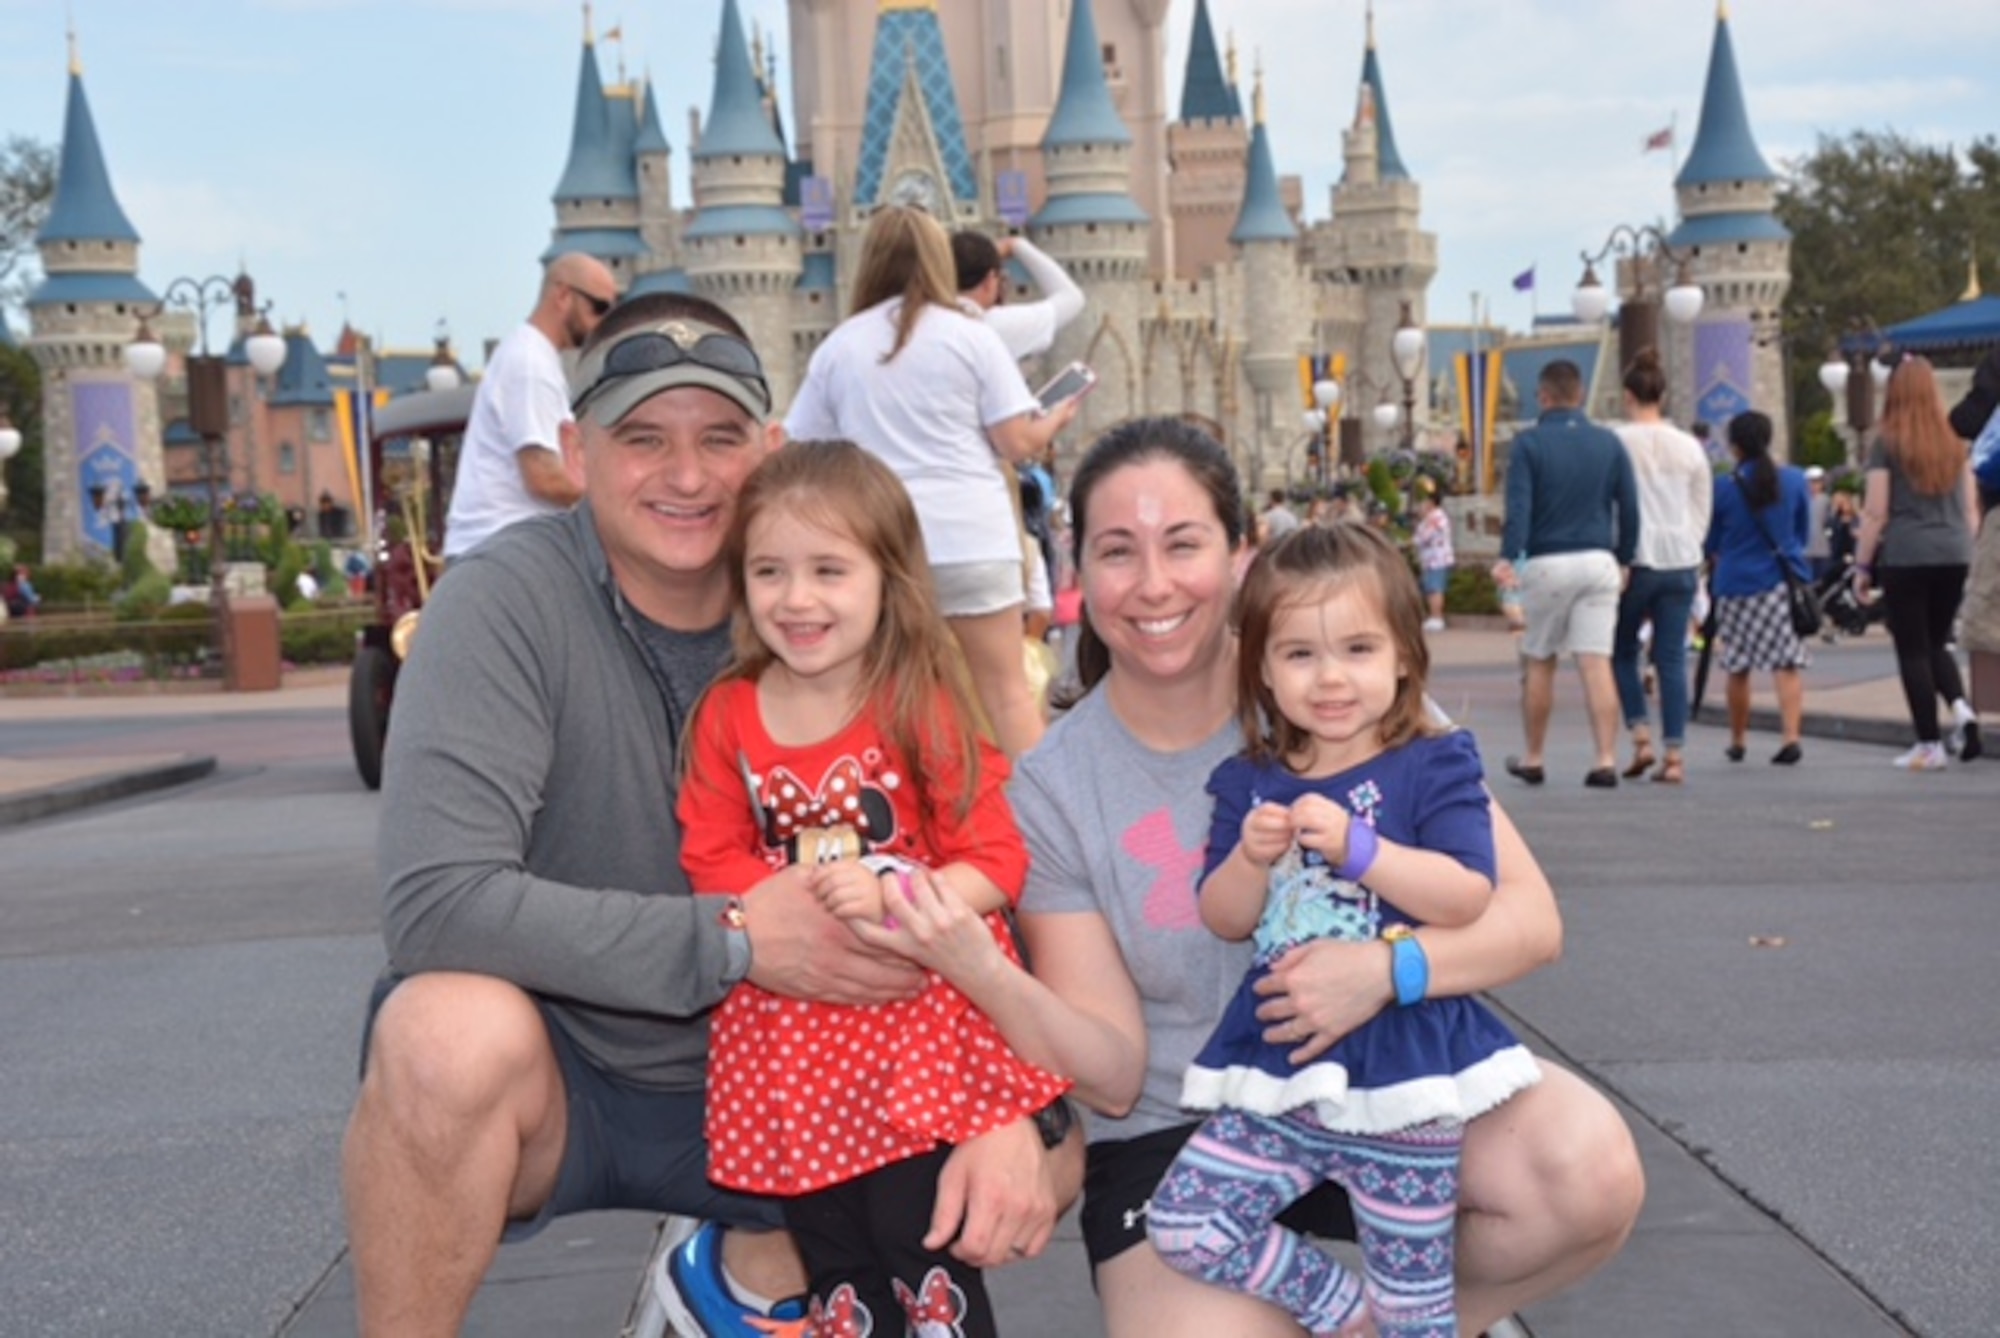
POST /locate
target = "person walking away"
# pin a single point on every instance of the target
(1676, 491)
(1819, 549)
(935, 394)
(1573, 509)
(843, 718)
(1759, 506)
(1979, 619)
(1352, 816)
(1026, 328)
(1435, 556)
(1919, 513)
(510, 463)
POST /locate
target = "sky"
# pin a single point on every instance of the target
(389, 162)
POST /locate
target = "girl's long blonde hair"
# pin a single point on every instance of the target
(913, 683)
(1916, 432)
(905, 254)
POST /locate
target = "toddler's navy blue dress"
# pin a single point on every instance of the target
(1440, 1059)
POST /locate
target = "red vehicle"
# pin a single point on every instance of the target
(412, 461)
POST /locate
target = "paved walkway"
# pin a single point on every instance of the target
(581, 1276)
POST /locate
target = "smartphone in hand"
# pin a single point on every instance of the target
(1071, 382)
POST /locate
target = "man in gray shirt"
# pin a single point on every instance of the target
(538, 1045)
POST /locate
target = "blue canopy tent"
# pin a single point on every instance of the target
(1971, 327)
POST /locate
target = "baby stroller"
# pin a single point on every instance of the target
(1842, 610)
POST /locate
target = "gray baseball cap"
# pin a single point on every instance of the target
(632, 366)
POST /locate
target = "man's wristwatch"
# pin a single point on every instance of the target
(1054, 1121)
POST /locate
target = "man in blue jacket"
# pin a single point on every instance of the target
(1573, 515)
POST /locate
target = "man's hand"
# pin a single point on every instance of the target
(848, 890)
(1504, 575)
(797, 949)
(997, 1200)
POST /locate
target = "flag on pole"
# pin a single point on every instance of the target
(1524, 282)
(1659, 139)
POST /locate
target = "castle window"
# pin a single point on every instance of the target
(288, 458)
(319, 425)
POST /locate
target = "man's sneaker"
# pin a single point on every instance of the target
(1923, 757)
(698, 1303)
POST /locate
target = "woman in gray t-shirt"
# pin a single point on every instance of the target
(1128, 982)
(1918, 515)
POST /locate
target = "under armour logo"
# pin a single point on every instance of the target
(1132, 1215)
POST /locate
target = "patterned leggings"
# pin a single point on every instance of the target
(1214, 1218)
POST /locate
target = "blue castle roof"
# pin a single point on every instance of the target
(1715, 229)
(660, 281)
(302, 378)
(596, 170)
(1092, 207)
(737, 123)
(1724, 149)
(1263, 217)
(85, 208)
(1084, 111)
(73, 286)
(750, 220)
(1388, 161)
(651, 138)
(909, 40)
(1205, 93)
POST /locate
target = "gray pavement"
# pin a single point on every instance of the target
(1782, 975)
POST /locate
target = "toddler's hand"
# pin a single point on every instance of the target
(1267, 831)
(1321, 825)
(848, 890)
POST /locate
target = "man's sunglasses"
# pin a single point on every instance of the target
(652, 351)
(598, 305)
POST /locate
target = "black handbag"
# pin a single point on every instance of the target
(1799, 598)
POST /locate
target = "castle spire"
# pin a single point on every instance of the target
(1263, 217)
(1205, 94)
(737, 123)
(85, 207)
(1388, 162)
(1724, 149)
(652, 139)
(1084, 111)
(596, 170)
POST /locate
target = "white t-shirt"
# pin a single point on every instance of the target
(1028, 328)
(924, 413)
(1676, 494)
(521, 405)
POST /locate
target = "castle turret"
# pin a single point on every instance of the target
(100, 425)
(742, 248)
(1737, 251)
(1208, 149)
(1374, 249)
(1089, 220)
(1273, 316)
(913, 148)
(597, 200)
(653, 157)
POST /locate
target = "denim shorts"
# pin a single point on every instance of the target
(628, 1146)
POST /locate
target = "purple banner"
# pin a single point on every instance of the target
(1722, 382)
(106, 450)
(816, 204)
(1010, 197)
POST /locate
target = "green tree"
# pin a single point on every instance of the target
(1883, 229)
(21, 395)
(27, 185)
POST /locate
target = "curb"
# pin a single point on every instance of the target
(55, 799)
(1819, 725)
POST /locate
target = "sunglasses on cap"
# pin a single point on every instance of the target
(657, 350)
(598, 305)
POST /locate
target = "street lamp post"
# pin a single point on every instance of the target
(10, 446)
(1638, 315)
(208, 401)
(1323, 421)
(1406, 350)
(442, 374)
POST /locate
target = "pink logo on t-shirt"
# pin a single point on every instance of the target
(1153, 842)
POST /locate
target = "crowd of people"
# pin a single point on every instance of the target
(732, 869)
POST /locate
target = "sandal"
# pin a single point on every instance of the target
(1670, 771)
(1642, 761)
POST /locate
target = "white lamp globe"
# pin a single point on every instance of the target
(1684, 303)
(145, 356)
(1833, 374)
(266, 349)
(1386, 415)
(1326, 394)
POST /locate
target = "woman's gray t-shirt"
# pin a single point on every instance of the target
(1925, 529)
(1119, 829)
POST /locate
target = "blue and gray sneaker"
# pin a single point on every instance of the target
(698, 1302)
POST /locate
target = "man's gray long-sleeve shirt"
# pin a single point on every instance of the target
(528, 807)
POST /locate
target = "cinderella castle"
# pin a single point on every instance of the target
(1210, 290)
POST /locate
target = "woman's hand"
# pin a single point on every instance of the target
(932, 926)
(1320, 991)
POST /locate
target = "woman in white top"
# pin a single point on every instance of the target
(935, 395)
(1676, 494)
